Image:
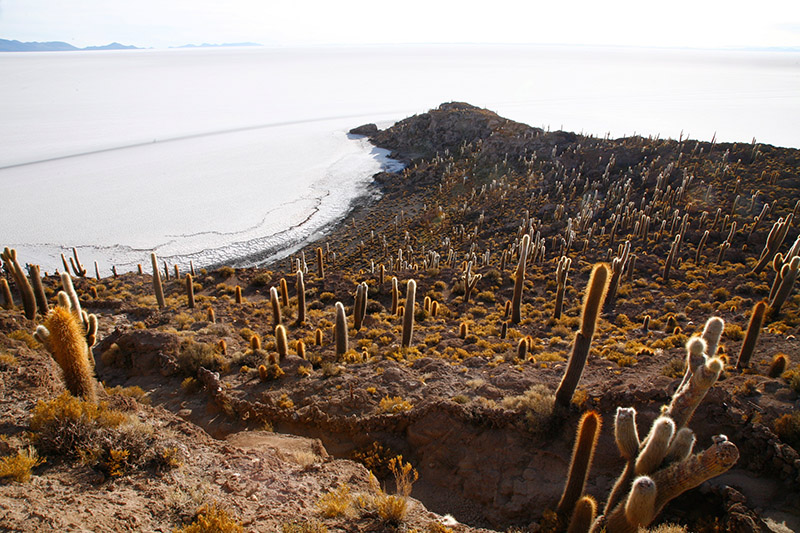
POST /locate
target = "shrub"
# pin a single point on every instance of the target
(226, 272)
(193, 355)
(18, 467)
(395, 404)
(787, 427)
(212, 519)
(336, 503)
(536, 403)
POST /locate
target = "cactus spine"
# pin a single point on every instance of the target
(408, 315)
(340, 330)
(753, 331)
(592, 303)
(157, 287)
(9, 255)
(519, 279)
(582, 454)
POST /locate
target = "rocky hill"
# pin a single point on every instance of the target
(512, 292)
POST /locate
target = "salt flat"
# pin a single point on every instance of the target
(215, 154)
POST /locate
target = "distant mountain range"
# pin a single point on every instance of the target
(60, 46)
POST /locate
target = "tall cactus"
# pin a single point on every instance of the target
(562, 272)
(301, 298)
(751, 337)
(5, 290)
(519, 280)
(582, 454)
(408, 315)
(360, 306)
(340, 330)
(189, 291)
(38, 289)
(276, 307)
(785, 282)
(157, 287)
(9, 256)
(775, 239)
(64, 336)
(592, 303)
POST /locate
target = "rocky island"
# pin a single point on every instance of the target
(524, 331)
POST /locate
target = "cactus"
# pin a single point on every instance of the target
(284, 292)
(778, 365)
(788, 276)
(470, 281)
(301, 298)
(318, 337)
(276, 307)
(700, 246)
(673, 253)
(9, 255)
(5, 290)
(157, 287)
(753, 331)
(320, 264)
(238, 294)
(395, 296)
(519, 279)
(562, 272)
(582, 454)
(360, 306)
(583, 515)
(65, 338)
(592, 303)
(301, 349)
(703, 372)
(281, 342)
(210, 315)
(190, 291)
(618, 266)
(408, 314)
(255, 342)
(77, 267)
(38, 290)
(774, 241)
(340, 330)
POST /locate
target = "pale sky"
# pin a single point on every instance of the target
(163, 23)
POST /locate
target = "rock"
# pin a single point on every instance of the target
(365, 129)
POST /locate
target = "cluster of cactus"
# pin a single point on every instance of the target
(658, 468)
(24, 287)
(68, 333)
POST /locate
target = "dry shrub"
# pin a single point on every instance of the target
(787, 427)
(18, 467)
(336, 503)
(212, 519)
(536, 404)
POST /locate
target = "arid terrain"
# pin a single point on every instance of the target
(465, 298)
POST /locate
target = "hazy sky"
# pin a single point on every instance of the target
(161, 23)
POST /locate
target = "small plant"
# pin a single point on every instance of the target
(18, 467)
(336, 503)
(392, 508)
(212, 519)
(394, 404)
(312, 526)
(787, 427)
